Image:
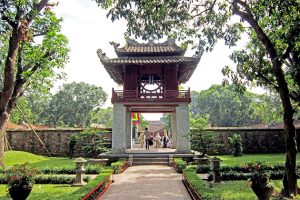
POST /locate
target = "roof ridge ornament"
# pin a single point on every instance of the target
(102, 55)
(114, 44)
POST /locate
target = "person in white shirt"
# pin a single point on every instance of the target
(157, 140)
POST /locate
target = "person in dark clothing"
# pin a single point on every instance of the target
(147, 137)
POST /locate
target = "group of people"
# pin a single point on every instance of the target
(148, 139)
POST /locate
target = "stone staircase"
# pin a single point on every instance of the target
(148, 159)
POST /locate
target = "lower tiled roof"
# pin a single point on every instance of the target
(149, 60)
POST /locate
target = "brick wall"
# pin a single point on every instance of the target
(255, 140)
(258, 140)
(56, 141)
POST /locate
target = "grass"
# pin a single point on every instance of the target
(241, 190)
(273, 159)
(44, 191)
(57, 191)
(19, 157)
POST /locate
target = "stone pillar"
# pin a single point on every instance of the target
(128, 135)
(174, 127)
(183, 144)
(119, 128)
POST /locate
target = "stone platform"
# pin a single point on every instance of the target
(160, 152)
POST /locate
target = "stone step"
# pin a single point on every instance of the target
(150, 163)
(150, 160)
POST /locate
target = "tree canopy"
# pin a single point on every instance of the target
(73, 103)
(225, 106)
(33, 48)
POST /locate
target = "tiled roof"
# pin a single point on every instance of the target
(149, 49)
(134, 47)
(149, 60)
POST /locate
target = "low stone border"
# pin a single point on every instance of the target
(100, 189)
(193, 193)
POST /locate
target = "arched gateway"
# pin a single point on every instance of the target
(150, 74)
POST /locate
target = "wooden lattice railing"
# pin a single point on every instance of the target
(165, 96)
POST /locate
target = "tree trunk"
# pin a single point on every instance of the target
(290, 175)
(8, 86)
(3, 119)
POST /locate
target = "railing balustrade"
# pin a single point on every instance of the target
(136, 96)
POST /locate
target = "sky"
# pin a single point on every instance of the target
(88, 29)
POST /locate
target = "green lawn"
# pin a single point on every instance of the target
(273, 159)
(57, 191)
(241, 190)
(43, 191)
(19, 157)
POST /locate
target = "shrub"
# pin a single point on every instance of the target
(50, 179)
(179, 164)
(84, 190)
(20, 176)
(54, 179)
(117, 166)
(89, 169)
(236, 146)
(92, 142)
(204, 141)
(201, 187)
(203, 169)
(233, 175)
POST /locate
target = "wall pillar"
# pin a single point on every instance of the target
(174, 127)
(128, 135)
(119, 128)
(183, 144)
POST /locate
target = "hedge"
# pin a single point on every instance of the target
(119, 166)
(50, 179)
(179, 164)
(86, 189)
(199, 185)
(89, 169)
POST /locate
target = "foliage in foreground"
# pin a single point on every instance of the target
(179, 164)
(117, 167)
(199, 185)
(92, 142)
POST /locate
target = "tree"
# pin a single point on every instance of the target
(16, 116)
(32, 48)
(32, 104)
(201, 140)
(73, 103)
(267, 107)
(102, 116)
(225, 106)
(167, 120)
(271, 57)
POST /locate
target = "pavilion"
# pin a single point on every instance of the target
(150, 74)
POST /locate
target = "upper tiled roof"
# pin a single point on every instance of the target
(148, 60)
(132, 47)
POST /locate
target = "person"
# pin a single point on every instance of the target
(147, 137)
(142, 139)
(157, 140)
(165, 139)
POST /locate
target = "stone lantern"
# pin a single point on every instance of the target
(79, 171)
(215, 166)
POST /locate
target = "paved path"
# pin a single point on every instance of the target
(147, 182)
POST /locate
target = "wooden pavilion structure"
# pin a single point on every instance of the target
(150, 74)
